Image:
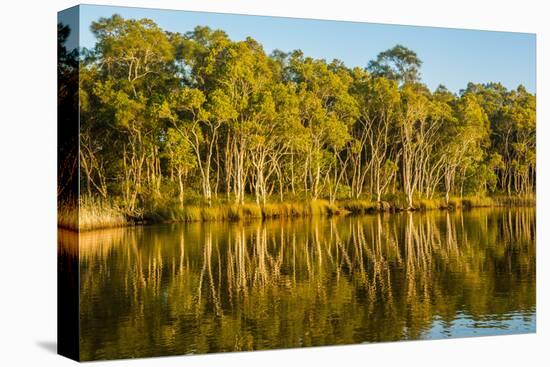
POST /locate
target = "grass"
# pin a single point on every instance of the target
(361, 206)
(432, 204)
(527, 200)
(67, 215)
(322, 207)
(234, 212)
(95, 214)
(478, 202)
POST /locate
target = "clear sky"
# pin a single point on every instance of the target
(451, 57)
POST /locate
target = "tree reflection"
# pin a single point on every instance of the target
(212, 287)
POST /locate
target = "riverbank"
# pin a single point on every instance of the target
(94, 214)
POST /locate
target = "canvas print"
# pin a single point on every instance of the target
(237, 183)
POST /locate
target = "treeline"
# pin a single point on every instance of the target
(197, 117)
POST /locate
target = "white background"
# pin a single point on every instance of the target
(28, 181)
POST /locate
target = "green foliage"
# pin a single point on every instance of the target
(398, 63)
(178, 151)
(195, 126)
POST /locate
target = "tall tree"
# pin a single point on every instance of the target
(375, 130)
(398, 63)
(165, 115)
(133, 58)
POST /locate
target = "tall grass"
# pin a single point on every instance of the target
(526, 200)
(90, 214)
(286, 210)
(235, 212)
(478, 202)
(95, 213)
(361, 206)
(67, 215)
(323, 207)
(432, 204)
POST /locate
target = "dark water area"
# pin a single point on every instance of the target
(219, 287)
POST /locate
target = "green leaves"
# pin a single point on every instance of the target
(209, 108)
(135, 47)
(398, 63)
(126, 109)
(219, 106)
(188, 99)
(179, 151)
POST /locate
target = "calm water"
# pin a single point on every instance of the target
(215, 287)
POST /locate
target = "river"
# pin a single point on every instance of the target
(217, 287)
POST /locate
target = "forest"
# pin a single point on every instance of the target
(198, 126)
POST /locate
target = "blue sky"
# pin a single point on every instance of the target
(452, 57)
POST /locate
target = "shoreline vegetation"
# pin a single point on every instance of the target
(195, 126)
(100, 215)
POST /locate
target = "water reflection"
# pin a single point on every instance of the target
(213, 287)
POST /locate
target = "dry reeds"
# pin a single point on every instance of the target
(90, 214)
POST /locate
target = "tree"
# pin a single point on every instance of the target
(464, 150)
(198, 122)
(415, 135)
(521, 112)
(180, 158)
(512, 116)
(164, 115)
(398, 63)
(132, 59)
(379, 106)
(327, 111)
(67, 107)
(242, 71)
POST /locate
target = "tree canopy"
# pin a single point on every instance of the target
(200, 117)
